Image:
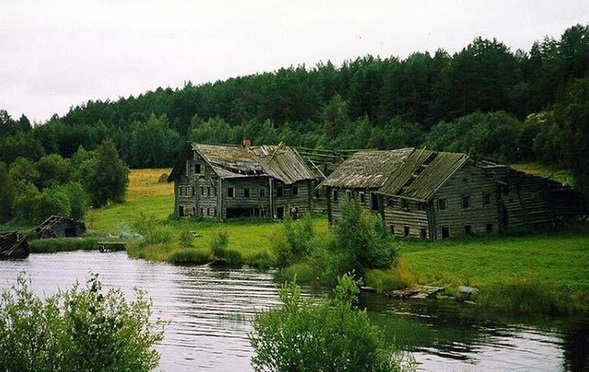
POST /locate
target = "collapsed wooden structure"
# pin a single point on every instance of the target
(220, 182)
(13, 245)
(431, 195)
(60, 227)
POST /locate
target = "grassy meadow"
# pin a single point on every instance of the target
(550, 268)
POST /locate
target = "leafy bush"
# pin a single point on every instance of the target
(81, 329)
(152, 230)
(295, 241)
(362, 241)
(333, 335)
(219, 244)
(260, 260)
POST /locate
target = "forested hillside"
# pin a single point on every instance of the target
(486, 100)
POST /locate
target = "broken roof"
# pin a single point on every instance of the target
(422, 173)
(367, 169)
(280, 162)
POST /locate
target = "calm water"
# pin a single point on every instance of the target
(210, 311)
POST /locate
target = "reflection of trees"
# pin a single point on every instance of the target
(575, 336)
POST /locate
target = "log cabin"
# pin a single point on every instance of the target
(220, 182)
(432, 195)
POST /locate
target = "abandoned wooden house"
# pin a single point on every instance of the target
(432, 195)
(221, 182)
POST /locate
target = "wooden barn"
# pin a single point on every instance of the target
(221, 182)
(432, 195)
(360, 176)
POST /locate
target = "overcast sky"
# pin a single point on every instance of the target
(61, 53)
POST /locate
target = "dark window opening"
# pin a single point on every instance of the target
(487, 198)
(468, 229)
(194, 211)
(242, 212)
(202, 190)
(208, 211)
(230, 192)
(246, 192)
(181, 211)
(404, 205)
(406, 231)
(196, 168)
(441, 204)
(180, 190)
(202, 213)
(295, 190)
(393, 229)
(208, 191)
(422, 233)
(445, 232)
(279, 191)
(280, 213)
(262, 193)
(335, 196)
(374, 201)
(465, 201)
(489, 228)
(362, 198)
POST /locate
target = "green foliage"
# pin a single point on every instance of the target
(63, 245)
(220, 243)
(108, 176)
(153, 143)
(81, 329)
(221, 254)
(152, 230)
(295, 242)
(260, 261)
(52, 201)
(329, 336)
(186, 239)
(7, 194)
(362, 241)
(189, 257)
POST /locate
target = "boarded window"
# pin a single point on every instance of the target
(197, 168)
(246, 192)
(468, 229)
(230, 192)
(262, 193)
(295, 190)
(441, 204)
(465, 201)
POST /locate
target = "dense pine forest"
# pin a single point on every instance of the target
(486, 100)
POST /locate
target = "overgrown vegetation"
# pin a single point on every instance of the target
(80, 329)
(333, 335)
(359, 241)
(63, 244)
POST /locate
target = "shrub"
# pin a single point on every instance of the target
(362, 241)
(219, 244)
(189, 256)
(186, 240)
(330, 336)
(81, 329)
(260, 260)
(295, 242)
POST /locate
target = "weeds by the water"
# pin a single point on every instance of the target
(63, 245)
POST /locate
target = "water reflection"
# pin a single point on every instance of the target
(211, 309)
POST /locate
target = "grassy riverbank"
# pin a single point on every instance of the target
(547, 271)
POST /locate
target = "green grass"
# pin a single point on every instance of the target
(63, 245)
(549, 171)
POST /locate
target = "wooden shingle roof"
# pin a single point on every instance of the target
(279, 162)
(366, 169)
(422, 174)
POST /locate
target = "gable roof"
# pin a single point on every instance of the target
(366, 169)
(280, 162)
(422, 174)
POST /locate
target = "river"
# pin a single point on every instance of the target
(210, 312)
